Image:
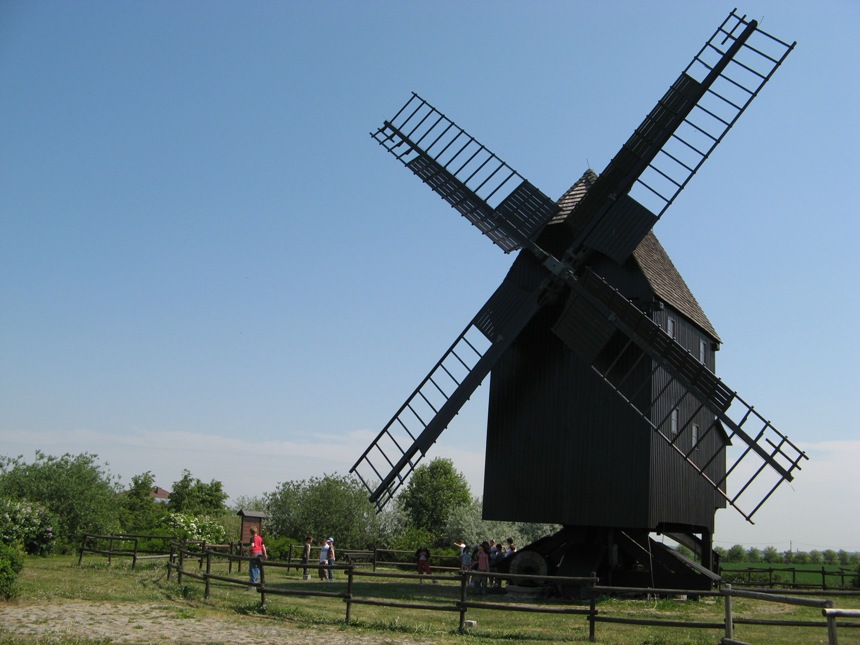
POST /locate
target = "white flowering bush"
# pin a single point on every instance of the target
(27, 526)
(189, 527)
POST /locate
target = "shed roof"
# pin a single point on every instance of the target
(257, 514)
(656, 265)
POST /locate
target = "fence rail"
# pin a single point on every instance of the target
(181, 554)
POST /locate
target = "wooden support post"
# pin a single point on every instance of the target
(727, 599)
(592, 608)
(83, 545)
(262, 586)
(832, 636)
(464, 577)
(110, 551)
(181, 562)
(348, 599)
(208, 571)
(134, 555)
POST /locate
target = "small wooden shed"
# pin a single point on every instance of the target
(249, 519)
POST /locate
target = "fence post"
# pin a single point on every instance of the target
(172, 559)
(290, 556)
(348, 598)
(592, 609)
(134, 556)
(375, 551)
(262, 586)
(181, 564)
(727, 601)
(208, 571)
(83, 544)
(823, 578)
(463, 578)
(832, 638)
(110, 552)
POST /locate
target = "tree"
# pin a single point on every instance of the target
(771, 555)
(737, 553)
(432, 493)
(328, 506)
(139, 512)
(191, 496)
(830, 556)
(77, 489)
(800, 557)
(753, 555)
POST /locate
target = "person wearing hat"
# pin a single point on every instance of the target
(331, 558)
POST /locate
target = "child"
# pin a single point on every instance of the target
(423, 562)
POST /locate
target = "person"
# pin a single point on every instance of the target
(422, 556)
(465, 558)
(512, 548)
(306, 556)
(323, 561)
(483, 565)
(257, 552)
(331, 558)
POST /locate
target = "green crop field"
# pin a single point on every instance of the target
(59, 602)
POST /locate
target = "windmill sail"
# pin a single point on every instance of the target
(483, 188)
(393, 454)
(677, 136)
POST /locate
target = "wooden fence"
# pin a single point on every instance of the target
(773, 577)
(374, 558)
(182, 554)
(121, 545)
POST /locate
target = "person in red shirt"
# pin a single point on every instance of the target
(258, 552)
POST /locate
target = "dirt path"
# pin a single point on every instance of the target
(163, 623)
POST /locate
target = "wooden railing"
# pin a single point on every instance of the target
(121, 545)
(773, 577)
(205, 558)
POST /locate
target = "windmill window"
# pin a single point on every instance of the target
(703, 351)
(674, 421)
(670, 327)
(695, 435)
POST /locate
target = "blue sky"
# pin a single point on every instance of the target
(207, 263)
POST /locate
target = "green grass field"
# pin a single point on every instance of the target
(60, 580)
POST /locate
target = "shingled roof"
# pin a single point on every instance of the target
(652, 259)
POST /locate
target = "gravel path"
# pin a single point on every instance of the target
(160, 623)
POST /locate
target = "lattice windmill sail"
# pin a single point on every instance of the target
(575, 312)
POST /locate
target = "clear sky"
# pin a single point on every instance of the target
(207, 263)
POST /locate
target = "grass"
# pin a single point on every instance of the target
(49, 579)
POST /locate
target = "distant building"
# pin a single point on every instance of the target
(160, 495)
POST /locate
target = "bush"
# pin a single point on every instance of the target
(278, 548)
(11, 563)
(188, 527)
(28, 526)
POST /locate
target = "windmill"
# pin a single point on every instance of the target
(605, 415)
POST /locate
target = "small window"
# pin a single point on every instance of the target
(703, 351)
(674, 421)
(695, 435)
(670, 327)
